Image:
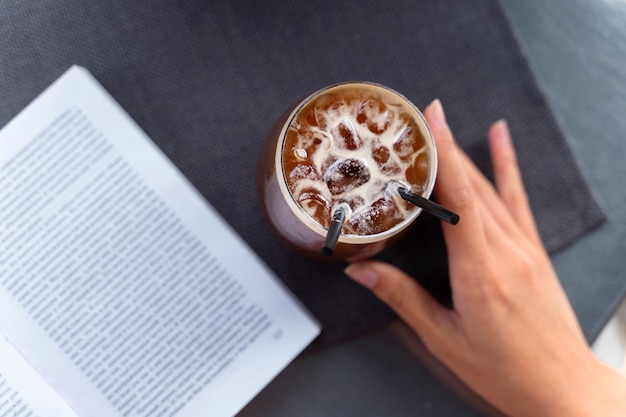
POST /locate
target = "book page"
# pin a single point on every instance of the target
(23, 392)
(120, 285)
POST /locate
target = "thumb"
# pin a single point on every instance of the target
(406, 297)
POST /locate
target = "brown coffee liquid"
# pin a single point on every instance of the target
(355, 145)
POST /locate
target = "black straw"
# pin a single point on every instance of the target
(429, 206)
(339, 217)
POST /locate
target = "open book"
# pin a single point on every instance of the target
(122, 292)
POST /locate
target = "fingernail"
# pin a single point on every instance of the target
(438, 116)
(362, 274)
(502, 131)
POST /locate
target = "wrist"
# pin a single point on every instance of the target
(600, 391)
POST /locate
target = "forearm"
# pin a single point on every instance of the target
(588, 388)
(606, 394)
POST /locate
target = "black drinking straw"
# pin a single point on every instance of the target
(339, 217)
(429, 206)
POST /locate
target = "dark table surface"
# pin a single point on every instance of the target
(577, 49)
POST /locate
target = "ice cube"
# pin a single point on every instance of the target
(381, 155)
(417, 173)
(309, 116)
(355, 202)
(375, 115)
(303, 171)
(345, 175)
(315, 205)
(392, 193)
(311, 140)
(382, 215)
(408, 142)
(321, 118)
(330, 159)
(345, 136)
(329, 108)
(306, 137)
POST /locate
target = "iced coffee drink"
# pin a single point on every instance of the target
(349, 146)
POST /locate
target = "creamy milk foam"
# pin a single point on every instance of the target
(355, 146)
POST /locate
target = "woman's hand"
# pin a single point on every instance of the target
(512, 335)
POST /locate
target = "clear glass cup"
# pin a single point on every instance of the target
(288, 218)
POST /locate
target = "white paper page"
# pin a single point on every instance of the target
(23, 392)
(118, 282)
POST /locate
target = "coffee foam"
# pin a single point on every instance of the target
(345, 115)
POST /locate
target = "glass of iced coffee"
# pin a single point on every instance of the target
(348, 147)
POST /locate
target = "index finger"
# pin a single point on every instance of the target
(454, 191)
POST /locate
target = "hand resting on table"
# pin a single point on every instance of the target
(512, 335)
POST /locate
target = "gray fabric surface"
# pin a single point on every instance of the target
(206, 80)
